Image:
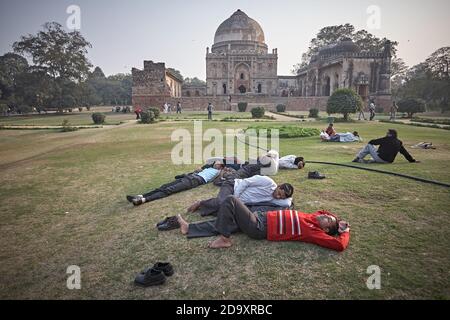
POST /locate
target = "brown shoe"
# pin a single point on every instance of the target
(194, 207)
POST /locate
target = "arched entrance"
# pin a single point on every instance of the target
(327, 87)
(242, 79)
(313, 87)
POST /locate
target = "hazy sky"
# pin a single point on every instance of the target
(124, 33)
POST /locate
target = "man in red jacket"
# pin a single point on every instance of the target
(321, 228)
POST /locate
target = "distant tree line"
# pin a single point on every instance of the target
(50, 71)
(428, 82)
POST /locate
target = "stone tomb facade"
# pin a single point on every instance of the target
(154, 85)
(239, 67)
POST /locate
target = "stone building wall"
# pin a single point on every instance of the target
(227, 72)
(154, 85)
(151, 80)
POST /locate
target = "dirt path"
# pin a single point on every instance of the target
(280, 117)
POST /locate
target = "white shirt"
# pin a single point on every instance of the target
(287, 162)
(258, 189)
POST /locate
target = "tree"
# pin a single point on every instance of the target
(97, 74)
(12, 66)
(411, 106)
(176, 73)
(194, 82)
(344, 101)
(112, 90)
(398, 68)
(438, 64)
(429, 81)
(57, 52)
(399, 71)
(332, 34)
(258, 112)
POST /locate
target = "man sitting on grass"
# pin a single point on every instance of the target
(390, 146)
(182, 183)
(321, 228)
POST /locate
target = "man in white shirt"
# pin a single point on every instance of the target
(254, 190)
(291, 162)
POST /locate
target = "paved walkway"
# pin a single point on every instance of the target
(280, 117)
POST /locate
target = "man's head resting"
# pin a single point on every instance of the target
(300, 162)
(219, 165)
(328, 223)
(283, 191)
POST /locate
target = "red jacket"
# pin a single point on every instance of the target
(290, 225)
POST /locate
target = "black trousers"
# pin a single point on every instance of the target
(190, 181)
(212, 206)
(232, 217)
(249, 170)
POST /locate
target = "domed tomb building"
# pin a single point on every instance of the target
(239, 68)
(239, 61)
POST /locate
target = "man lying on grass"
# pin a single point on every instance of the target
(321, 228)
(182, 183)
(251, 191)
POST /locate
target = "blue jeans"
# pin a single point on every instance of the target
(370, 149)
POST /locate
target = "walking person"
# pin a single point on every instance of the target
(138, 112)
(361, 112)
(394, 109)
(179, 107)
(372, 110)
(210, 110)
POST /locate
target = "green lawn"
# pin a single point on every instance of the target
(75, 118)
(62, 203)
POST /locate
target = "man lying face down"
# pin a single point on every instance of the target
(251, 191)
(321, 228)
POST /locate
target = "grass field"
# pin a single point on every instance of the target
(84, 118)
(62, 203)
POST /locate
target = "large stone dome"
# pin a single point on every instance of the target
(239, 27)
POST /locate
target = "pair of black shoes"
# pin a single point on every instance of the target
(315, 175)
(155, 275)
(169, 223)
